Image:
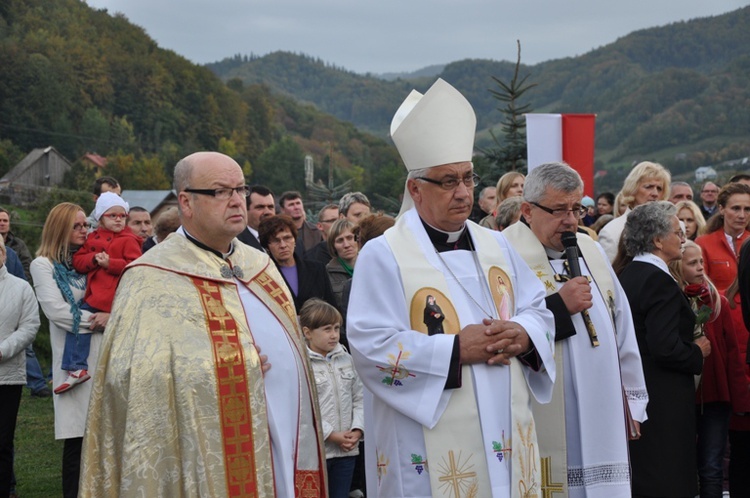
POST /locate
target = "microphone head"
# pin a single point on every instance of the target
(569, 239)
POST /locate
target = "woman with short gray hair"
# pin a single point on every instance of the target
(663, 460)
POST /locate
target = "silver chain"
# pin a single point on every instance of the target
(479, 274)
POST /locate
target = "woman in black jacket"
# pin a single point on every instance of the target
(663, 459)
(304, 278)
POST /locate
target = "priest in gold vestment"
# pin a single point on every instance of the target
(184, 404)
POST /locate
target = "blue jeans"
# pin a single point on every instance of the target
(34, 377)
(340, 472)
(76, 352)
(712, 425)
(77, 347)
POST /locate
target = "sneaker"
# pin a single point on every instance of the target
(74, 378)
(42, 393)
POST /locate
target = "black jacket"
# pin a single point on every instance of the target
(313, 282)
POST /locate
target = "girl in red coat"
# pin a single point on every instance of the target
(106, 253)
(723, 387)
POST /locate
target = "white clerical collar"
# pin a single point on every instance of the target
(655, 260)
(452, 236)
(553, 254)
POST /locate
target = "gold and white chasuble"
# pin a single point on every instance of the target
(477, 440)
(582, 432)
(180, 406)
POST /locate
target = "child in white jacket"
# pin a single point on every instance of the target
(339, 393)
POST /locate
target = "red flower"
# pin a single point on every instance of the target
(699, 291)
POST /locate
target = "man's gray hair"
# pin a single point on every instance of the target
(182, 172)
(645, 223)
(417, 173)
(352, 198)
(484, 191)
(558, 176)
(508, 212)
(681, 184)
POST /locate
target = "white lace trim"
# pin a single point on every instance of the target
(598, 474)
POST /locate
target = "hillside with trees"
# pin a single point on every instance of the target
(84, 80)
(679, 93)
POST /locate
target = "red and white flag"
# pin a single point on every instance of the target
(563, 137)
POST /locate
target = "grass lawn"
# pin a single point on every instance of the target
(38, 455)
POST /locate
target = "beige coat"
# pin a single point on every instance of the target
(71, 408)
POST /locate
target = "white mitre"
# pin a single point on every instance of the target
(433, 129)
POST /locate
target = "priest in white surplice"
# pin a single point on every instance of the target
(450, 412)
(587, 451)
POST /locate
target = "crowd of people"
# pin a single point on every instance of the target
(558, 343)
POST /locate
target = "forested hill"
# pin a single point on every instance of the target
(684, 87)
(83, 80)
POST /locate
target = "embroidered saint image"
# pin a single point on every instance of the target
(431, 312)
(502, 293)
(433, 316)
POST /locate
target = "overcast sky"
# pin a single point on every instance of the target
(400, 35)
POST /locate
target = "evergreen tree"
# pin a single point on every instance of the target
(510, 154)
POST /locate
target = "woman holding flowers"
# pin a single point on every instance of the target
(723, 388)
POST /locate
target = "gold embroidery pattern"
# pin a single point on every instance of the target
(234, 403)
(548, 487)
(307, 484)
(457, 477)
(528, 485)
(383, 462)
(396, 372)
(277, 294)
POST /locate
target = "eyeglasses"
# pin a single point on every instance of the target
(223, 193)
(680, 234)
(578, 212)
(78, 226)
(287, 239)
(452, 183)
(116, 216)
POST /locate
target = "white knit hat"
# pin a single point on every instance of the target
(109, 200)
(433, 129)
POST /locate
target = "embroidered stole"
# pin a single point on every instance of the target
(458, 433)
(235, 385)
(551, 417)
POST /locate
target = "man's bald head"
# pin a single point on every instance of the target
(210, 218)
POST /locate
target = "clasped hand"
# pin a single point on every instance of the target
(347, 440)
(493, 342)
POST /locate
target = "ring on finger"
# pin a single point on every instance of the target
(500, 351)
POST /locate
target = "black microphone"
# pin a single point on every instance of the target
(570, 242)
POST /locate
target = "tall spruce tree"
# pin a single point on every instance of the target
(510, 154)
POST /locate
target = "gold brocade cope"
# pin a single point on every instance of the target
(234, 408)
(178, 406)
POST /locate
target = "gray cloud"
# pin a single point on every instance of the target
(400, 35)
